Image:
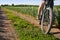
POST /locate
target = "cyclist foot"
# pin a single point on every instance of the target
(38, 17)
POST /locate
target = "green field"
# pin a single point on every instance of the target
(29, 10)
(25, 30)
(33, 12)
(25, 10)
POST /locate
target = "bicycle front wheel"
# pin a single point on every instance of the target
(46, 21)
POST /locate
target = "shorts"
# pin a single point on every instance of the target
(51, 3)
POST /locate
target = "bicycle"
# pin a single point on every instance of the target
(46, 17)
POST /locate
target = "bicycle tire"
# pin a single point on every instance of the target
(50, 22)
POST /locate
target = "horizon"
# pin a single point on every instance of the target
(25, 2)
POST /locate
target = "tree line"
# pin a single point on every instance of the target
(21, 5)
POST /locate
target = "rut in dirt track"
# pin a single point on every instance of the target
(6, 31)
(54, 31)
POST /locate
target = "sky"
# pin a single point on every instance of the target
(30, 2)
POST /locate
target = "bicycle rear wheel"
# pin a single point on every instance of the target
(46, 21)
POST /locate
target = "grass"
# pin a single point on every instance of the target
(29, 10)
(25, 10)
(33, 12)
(25, 30)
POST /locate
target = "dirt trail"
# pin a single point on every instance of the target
(6, 30)
(54, 31)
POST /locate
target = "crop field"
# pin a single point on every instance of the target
(33, 12)
(25, 10)
(24, 29)
(30, 10)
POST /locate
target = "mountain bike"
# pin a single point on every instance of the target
(46, 17)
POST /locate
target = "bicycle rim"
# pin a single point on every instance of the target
(46, 21)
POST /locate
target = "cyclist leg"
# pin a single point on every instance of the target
(40, 8)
